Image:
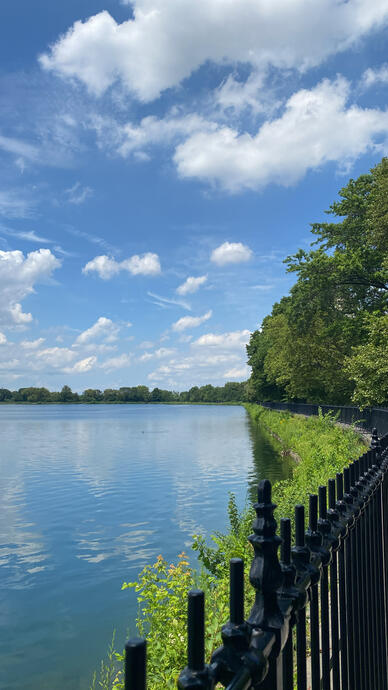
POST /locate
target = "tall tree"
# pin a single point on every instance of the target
(303, 345)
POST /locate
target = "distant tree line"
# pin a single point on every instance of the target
(327, 341)
(230, 392)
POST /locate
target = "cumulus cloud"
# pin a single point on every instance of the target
(32, 344)
(237, 373)
(9, 364)
(191, 321)
(118, 362)
(82, 366)
(147, 264)
(233, 339)
(18, 277)
(132, 138)
(231, 253)
(234, 96)
(191, 285)
(375, 76)
(56, 356)
(167, 40)
(103, 328)
(212, 358)
(3, 339)
(317, 127)
(158, 354)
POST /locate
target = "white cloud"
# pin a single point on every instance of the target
(158, 354)
(118, 362)
(32, 344)
(145, 264)
(233, 339)
(153, 130)
(56, 357)
(236, 373)
(191, 321)
(375, 76)
(231, 253)
(213, 358)
(165, 302)
(18, 276)
(191, 285)
(316, 127)
(9, 364)
(146, 345)
(235, 96)
(103, 265)
(82, 366)
(167, 40)
(103, 328)
(18, 147)
(13, 205)
(29, 235)
(3, 339)
(78, 194)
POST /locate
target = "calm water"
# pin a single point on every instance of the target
(89, 495)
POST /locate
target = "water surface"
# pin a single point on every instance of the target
(89, 495)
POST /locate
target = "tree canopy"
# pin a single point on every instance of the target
(230, 392)
(327, 340)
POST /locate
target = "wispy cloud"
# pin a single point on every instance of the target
(28, 235)
(77, 194)
(18, 147)
(14, 205)
(93, 239)
(165, 302)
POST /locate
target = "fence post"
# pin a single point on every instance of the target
(135, 664)
(196, 674)
(266, 578)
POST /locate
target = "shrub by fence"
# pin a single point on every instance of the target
(320, 614)
(370, 418)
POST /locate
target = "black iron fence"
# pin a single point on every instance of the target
(320, 615)
(370, 418)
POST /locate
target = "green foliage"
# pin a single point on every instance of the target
(231, 392)
(324, 447)
(162, 594)
(301, 349)
(110, 674)
(367, 366)
(233, 544)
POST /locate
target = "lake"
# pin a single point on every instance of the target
(89, 495)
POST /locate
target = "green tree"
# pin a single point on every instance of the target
(67, 395)
(303, 345)
(367, 366)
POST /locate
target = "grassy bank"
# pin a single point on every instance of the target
(323, 448)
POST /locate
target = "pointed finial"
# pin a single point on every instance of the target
(265, 574)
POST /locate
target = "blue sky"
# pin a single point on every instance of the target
(158, 160)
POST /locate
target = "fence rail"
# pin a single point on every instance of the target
(320, 615)
(370, 418)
